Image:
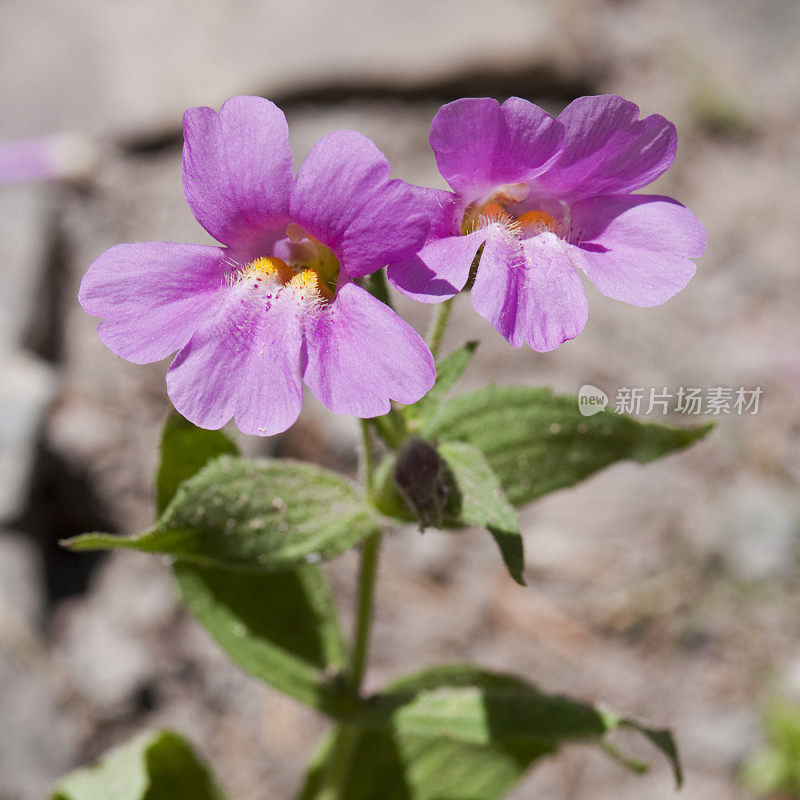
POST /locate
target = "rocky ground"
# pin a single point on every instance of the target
(668, 591)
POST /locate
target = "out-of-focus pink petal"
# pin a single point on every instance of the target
(237, 170)
(481, 145)
(360, 355)
(439, 270)
(343, 196)
(608, 149)
(243, 362)
(637, 248)
(63, 156)
(151, 296)
(529, 291)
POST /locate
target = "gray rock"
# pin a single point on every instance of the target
(21, 585)
(107, 640)
(23, 230)
(39, 734)
(119, 56)
(27, 386)
(40, 729)
(788, 684)
(722, 735)
(762, 529)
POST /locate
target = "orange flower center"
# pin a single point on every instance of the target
(530, 223)
(538, 221)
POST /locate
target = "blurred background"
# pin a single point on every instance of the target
(669, 592)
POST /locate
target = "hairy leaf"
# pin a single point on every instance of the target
(537, 442)
(185, 450)
(462, 732)
(261, 515)
(480, 501)
(281, 627)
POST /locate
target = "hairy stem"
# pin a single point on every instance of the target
(338, 769)
(370, 550)
(391, 428)
(367, 457)
(438, 325)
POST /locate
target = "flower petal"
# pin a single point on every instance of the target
(443, 210)
(439, 271)
(608, 149)
(480, 145)
(530, 291)
(242, 362)
(342, 195)
(360, 355)
(636, 248)
(237, 170)
(151, 296)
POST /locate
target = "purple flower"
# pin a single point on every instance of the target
(278, 300)
(548, 198)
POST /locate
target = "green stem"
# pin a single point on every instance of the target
(368, 456)
(338, 767)
(340, 761)
(370, 550)
(391, 428)
(438, 325)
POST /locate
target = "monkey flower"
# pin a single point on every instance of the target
(278, 302)
(547, 199)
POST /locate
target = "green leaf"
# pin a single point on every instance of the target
(661, 738)
(263, 515)
(377, 770)
(155, 766)
(448, 370)
(537, 442)
(386, 498)
(312, 785)
(462, 732)
(469, 705)
(422, 768)
(185, 450)
(481, 501)
(281, 627)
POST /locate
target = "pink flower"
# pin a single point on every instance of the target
(277, 304)
(61, 157)
(547, 199)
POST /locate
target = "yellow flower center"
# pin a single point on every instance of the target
(309, 253)
(267, 267)
(310, 272)
(308, 285)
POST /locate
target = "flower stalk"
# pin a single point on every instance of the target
(338, 769)
(438, 325)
